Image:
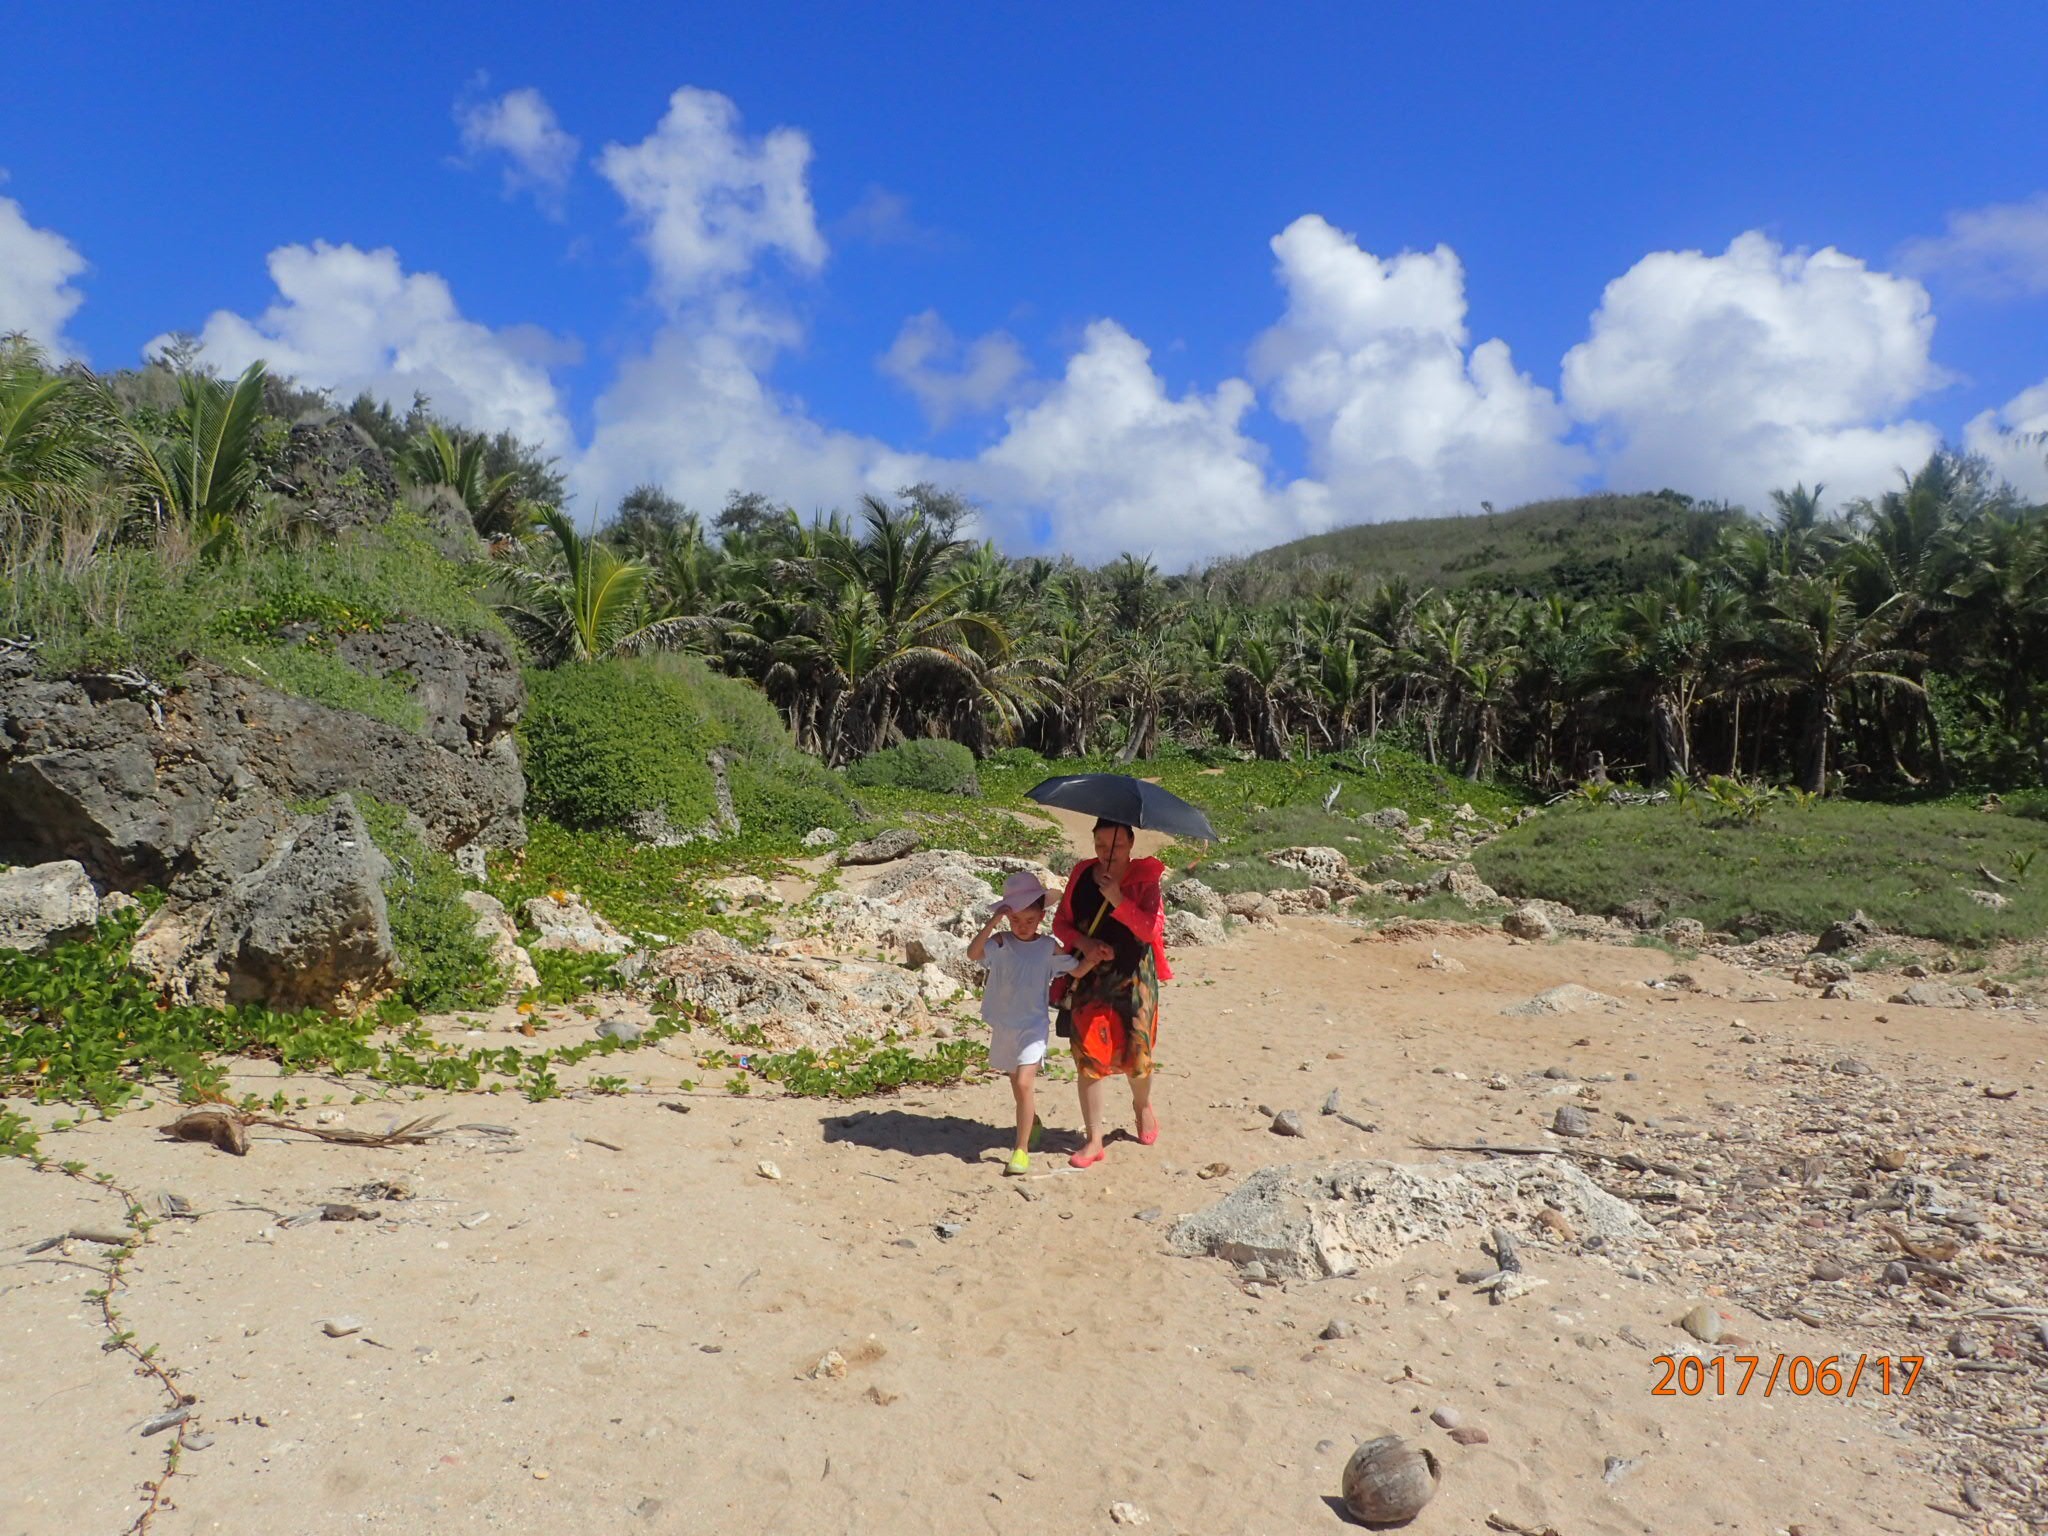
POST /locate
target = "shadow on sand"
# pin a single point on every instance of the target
(914, 1135)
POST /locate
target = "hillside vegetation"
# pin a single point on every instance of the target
(1579, 546)
(1793, 868)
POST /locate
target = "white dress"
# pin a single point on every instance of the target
(1014, 1002)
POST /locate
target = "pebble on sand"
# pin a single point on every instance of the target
(767, 1170)
(1288, 1123)
(1703, 1323)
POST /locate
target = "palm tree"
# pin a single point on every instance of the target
(43, 463)
(1819, 647)
(438, 457)
(203, 473)
(583, 602)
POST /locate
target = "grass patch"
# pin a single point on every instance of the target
(314, 672)
(151, 606)
(650, 892)
(1240, 864)
(1910, 868)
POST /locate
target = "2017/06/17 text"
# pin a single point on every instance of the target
(1800, 1375)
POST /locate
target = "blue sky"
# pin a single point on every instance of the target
(1828, 240)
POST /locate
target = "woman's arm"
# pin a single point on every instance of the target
(1143, 911)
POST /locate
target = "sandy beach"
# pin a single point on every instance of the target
(602, 1316)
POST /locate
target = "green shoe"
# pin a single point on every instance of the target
(1020, 1162)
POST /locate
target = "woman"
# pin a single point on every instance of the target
(1114, 917)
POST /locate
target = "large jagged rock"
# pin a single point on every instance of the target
(1192, 895)
(1297, 903)
(1460, 881)
(1253, 907)
(882, 848)
(1310, 1221)
(1189, 928)
(46, 904)
(494, 925)
(1847, 935)
(795, 1000)
(131, 781)
(1319, 864)
(1940, 994)
(1531, 923)
(307, 929)
(336, 473)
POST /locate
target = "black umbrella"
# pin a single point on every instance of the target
(1119, 797)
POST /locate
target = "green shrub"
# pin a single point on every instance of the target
(776, 790)
(604, 740)
(936, 767)
(788, 798)
(442, 964)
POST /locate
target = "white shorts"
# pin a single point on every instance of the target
(1011, 1046)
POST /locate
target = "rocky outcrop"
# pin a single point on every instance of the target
(1187, 928)
(882, 848)
(494, 925)
(336, 473)
(1847, 936)
(1322, 865)
(794, 1000)
(46, 904)
(1531, 923)
(306, 929)
(1308, 1222)
(562, 921)
(1192, 895)
(146, 786)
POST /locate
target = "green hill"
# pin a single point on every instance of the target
(1582, 546)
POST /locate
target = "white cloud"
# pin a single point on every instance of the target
(36, 269)
(2000, 251)
(1370, 362)
(1108, 461)
(950, 378)
(1731, 375)
(520, 124)
(349, 320)
(709, 200)
(2015, 439)
(696, 415)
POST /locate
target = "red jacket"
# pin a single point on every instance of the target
(1143, 909)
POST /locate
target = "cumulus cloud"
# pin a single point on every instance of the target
(1734, 374)
(1370, 361)
(2000, 251)
(709, 201)
(696, 415)
(36, 269)
(2015, 439)
(350, 320)
(1110, 461)
(540, 154)
(951, 378)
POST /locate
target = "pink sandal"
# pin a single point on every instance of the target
(1083, 1160)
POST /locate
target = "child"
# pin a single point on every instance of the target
(1021, 965)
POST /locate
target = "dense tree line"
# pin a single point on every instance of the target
(1899, 641)
(1891, 643)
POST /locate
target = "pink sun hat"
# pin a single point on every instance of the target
(1021, 890)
